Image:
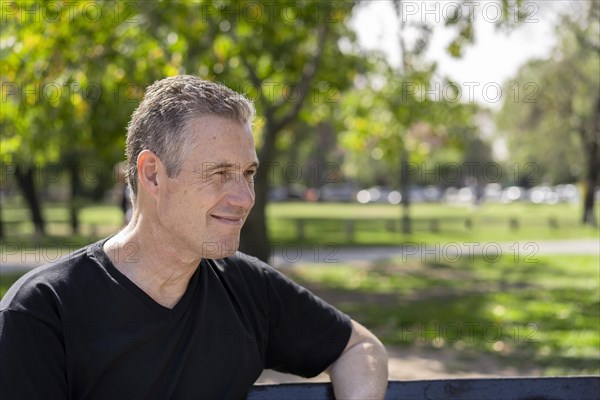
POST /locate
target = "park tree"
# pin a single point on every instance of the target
(68, 88)
(285, 56)
(398, 111)
(556, 121)
(394, 120)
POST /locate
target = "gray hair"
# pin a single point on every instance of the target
(160, 123)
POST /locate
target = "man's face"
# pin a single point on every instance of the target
(204, 207)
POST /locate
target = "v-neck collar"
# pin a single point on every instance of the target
(96, 251)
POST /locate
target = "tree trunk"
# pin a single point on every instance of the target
(1, 224)
(592, 167)
(73, 168)
(323, 146)
(405, 190)
(25, 180)
(254, 239)
(588, 203)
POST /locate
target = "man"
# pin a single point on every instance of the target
(167, 308)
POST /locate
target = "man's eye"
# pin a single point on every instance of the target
(224, 175)
(250, 175)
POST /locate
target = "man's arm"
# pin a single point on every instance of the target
(361, 371)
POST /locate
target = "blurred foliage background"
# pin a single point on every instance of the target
(72, 73)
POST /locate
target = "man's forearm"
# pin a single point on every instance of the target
(361, 372)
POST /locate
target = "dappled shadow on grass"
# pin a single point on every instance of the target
(546, 312)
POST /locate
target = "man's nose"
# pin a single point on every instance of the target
(241, 193)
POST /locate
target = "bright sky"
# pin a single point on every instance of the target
(495, 57)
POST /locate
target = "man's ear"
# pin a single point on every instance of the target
(149, 166)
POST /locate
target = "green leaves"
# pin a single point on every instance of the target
(551, 103)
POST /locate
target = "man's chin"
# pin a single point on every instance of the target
(215, 251)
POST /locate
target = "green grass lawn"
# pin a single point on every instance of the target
(339, 224)
(334, 224)
(379, 224)
(546, 312)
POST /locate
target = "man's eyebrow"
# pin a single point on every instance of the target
(215, 166)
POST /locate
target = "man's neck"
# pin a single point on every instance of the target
(150, 263)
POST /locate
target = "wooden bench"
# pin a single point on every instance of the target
(551, 388)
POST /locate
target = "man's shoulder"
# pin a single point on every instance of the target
(245, 263)
(41, 287)
(241, 267)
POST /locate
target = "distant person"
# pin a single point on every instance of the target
(167, 308)
(122, 193)
(477, 190)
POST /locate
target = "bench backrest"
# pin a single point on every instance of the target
(552, 388)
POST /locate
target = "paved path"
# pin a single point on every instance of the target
(439, 252)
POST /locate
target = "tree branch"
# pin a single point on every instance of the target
(308, 73)
(256, 81)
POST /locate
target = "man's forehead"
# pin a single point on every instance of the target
(220, 143)
(214, 124)
(212, 133)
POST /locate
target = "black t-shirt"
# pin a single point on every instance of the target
(80, 329)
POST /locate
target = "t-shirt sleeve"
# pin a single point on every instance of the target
(306, 334)
(32, 358)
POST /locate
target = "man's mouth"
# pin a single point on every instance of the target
(229, 219)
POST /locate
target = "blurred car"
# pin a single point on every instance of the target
(492, 192)
(378, 194)
(284, 193)
(342, 192)
(512, 193)
(567, 193)
(542, 194)
(432, 193)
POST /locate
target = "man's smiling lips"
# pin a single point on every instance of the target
(228, 219)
